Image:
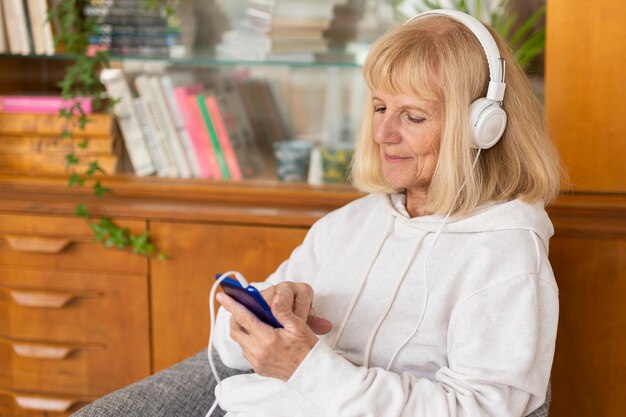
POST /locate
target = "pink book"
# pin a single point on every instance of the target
(185, 96)
(222, 136)
(41, 104)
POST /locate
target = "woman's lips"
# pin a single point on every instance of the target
(395, 158)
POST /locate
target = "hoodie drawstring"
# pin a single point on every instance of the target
(370, 342)
(357, 294)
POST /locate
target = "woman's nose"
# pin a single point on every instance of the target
(386, 130)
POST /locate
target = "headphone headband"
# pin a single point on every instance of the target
(496, 64)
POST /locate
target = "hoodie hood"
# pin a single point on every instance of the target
(509, 215)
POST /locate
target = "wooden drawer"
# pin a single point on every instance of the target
(26, 403)
(63, 243)
(86, 326)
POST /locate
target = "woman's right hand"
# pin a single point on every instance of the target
(300, 296)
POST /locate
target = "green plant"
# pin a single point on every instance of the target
(82, 79)
(527, 38)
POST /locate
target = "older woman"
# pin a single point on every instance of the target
(431, 315)
(432, 295)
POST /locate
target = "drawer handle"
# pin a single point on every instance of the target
(46, 298)
(44, 350)
(40, 244)
(41, 402)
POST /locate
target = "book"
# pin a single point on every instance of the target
(185, 98)
(157, 153)
(53, 124)
(53, 163)
(22, 23)
(117, 88)
(4, 44)
(168, 83)
(167, 124)
(35, 144)
(40, 27)
(223, 137)
(214, 141)
(240, 133)
(31, 103)
(153, 121)
(12, 25)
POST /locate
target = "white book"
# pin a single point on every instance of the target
(36, 25)
(4, 44)
(117, 88)
(167, 124)
(41, 27)
(169, 82)
(22, 24)
(143, 86)
(155, 149)
(9, 19)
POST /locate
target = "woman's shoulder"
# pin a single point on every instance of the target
(361, 211)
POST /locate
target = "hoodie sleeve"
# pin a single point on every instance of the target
(500, 349)
(299, 267)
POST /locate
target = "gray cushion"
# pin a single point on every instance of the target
(184, 390)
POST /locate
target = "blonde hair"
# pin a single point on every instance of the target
(437, 58)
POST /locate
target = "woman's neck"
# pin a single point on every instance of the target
(416, 203)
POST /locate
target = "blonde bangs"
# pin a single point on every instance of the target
(394, 68)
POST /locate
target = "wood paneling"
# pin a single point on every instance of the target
(585, 90)
(182, 284)
(588, 256)
(30, 74)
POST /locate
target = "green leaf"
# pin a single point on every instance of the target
(100, 190)
(100, 231)
(81, 211)
(527, 27)
(141, 244)
(84, 144)
(531, 48)
(66, 134)
(71, 160)
(93, 168)
(75, 179)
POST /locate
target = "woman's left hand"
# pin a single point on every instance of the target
(272, 352)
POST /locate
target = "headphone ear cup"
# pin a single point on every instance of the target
(487, 122)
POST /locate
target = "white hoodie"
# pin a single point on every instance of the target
(477, 306)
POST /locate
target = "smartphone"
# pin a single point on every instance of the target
(251, 298)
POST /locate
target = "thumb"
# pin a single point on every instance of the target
(281, 308)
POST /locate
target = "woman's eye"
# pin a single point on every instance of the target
(379, 109)
(415, 120)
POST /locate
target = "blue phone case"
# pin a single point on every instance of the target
(251, 298)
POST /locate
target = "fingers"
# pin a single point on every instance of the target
(243, 321)
(319, 325)
(296, 296)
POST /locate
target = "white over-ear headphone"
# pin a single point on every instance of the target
(487, 117)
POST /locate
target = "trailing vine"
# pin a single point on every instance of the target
(82, 80)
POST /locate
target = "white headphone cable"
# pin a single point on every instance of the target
(218, 381)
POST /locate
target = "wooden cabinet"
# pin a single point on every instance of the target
(78, 320)
(102, 318)
(73, 315)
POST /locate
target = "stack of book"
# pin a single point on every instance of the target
(32, 138)
(279, 30)
(25, 28)
(128, 27)
(174, 126)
